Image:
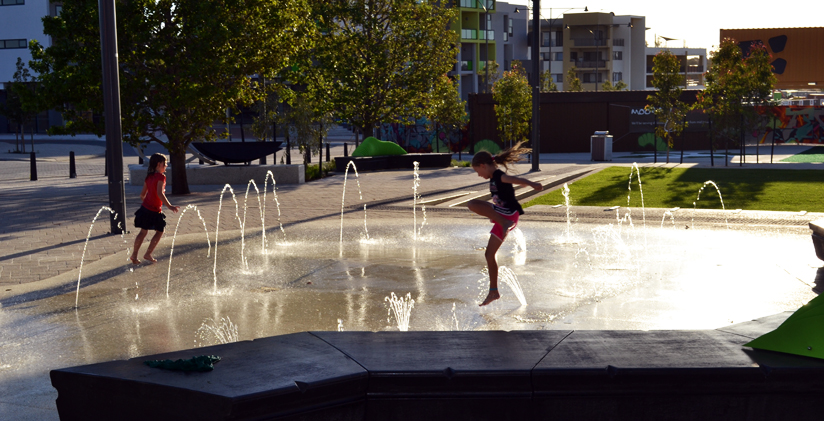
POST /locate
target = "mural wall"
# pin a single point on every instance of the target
(417, 138)
(793, 124)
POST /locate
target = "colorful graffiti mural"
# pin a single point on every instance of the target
(417, 138)
(791, 124)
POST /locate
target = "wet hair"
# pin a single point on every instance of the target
(154, 160)
(505, 157)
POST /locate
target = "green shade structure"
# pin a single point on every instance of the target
(374, 147)
(801, 334)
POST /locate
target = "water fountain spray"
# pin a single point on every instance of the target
(415, 198)
(217, 228)
(262, 223)
(275, 194)
(694, 204)
(343, 199)
(172, 249)
(83, 256)
(402, 307)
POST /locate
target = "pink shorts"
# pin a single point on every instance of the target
(498, 230)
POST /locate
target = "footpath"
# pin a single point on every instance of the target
(44, 223)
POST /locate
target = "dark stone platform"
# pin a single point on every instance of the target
(519, 375)
(391, 162)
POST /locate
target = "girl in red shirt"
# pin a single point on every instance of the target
(504, 209)
(150, 215)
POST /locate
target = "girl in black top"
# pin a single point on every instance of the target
(504, 209)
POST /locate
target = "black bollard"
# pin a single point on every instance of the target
(288, 150)
(200, 161)
(72, 167)
(33, 167)
(327, 151)
(345, 149)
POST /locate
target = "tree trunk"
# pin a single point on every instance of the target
(180, 184)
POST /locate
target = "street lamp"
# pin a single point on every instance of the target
(595, 40)
(486, 36)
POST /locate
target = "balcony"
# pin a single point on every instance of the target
(589, 64)
(589, 42)
(477, 4)
(617, 42)
(490, 35)
(469, 34)
(466, 66)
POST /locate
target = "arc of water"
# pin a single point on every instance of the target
(260, 210)
(415, 197)
(664, 218)
(565, 193)
(217, 227)
(641, 190)
(402, 307)
(275, 194)
(343, 199)
(695, 204)
(172, 249)
(507, 277)
(83, 256)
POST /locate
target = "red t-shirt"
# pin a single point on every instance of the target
(152, 201)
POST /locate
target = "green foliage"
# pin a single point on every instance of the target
(20, 105)
(547, 84)
(494, 75)
(755, 189)
(460, 164)
(316, 172)
(306, 125)
(182, 64)
(571, 82)
(513, 104)
(734, 85)
(447, 111)
(378, 59)
(608, 86)
(665, 102)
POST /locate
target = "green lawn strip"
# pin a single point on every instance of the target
(748, 189)
(814, 154)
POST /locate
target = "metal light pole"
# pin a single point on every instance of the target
(536, 78)
(486, 36)
(111, 104)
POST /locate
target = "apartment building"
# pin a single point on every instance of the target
(488, 30)
(607, 47)
(21, 22)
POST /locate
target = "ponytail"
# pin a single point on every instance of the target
(505, 157)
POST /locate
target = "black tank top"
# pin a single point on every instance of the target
(503, 195)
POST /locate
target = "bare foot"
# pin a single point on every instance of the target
(492, 296)
(150, 259)
(134, 260)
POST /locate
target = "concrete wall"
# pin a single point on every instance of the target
(228, 174)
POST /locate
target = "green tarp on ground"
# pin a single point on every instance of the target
(374, 147)
(800, 334)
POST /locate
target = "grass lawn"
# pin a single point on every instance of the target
(755, 189)
(814, 154)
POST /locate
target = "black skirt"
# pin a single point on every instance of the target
(148, 220)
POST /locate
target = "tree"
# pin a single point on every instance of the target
(13, 108)
(379, 58)
(666, 102)
(306, 125)
(572, 83)
(547, 84)
(447, 110)
(608, 86)
(513, 104)
(494, 75)
(734, 86)
(182, 64)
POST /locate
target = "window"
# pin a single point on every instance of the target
(592, 78)
(558, 77)
(545, 56)
(13, 43)
(617, 55)
(545, 39)
(558, 56)
(617, 76)
(11, 2)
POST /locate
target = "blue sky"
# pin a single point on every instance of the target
(698, 21)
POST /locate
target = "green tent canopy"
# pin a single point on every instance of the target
(800, 334)
(374, 147)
